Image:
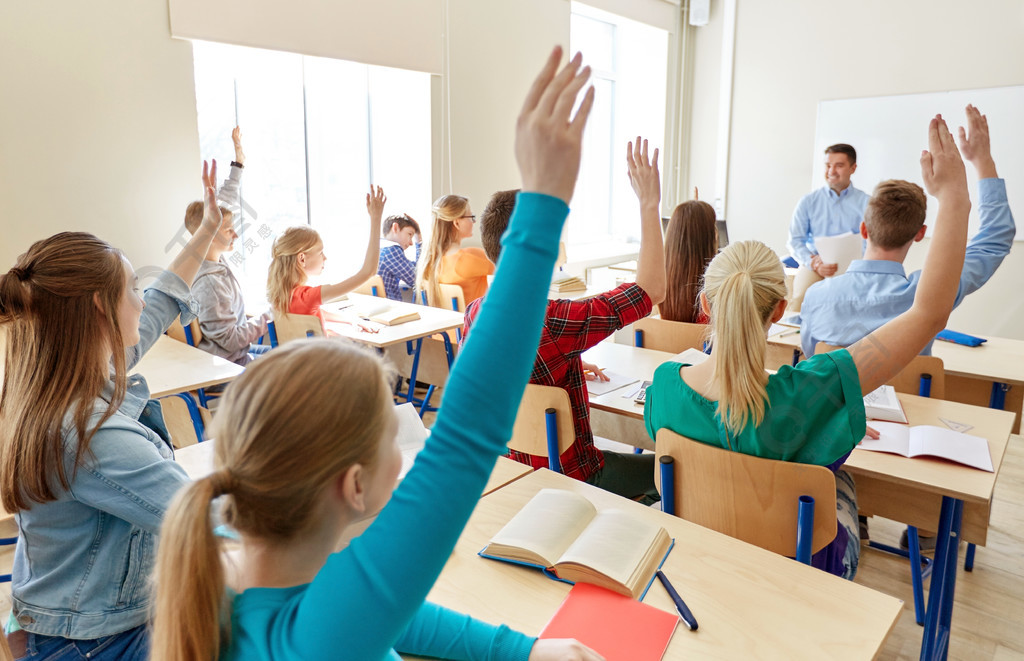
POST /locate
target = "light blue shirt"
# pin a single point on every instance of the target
(824, 213)
(846, 308)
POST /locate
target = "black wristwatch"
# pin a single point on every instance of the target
(236, 164)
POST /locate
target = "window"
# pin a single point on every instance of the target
(629, 61)
(316, 133)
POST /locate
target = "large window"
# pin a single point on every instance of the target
(317, 133)
(629, 61)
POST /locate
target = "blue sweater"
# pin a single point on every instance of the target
(369, 599)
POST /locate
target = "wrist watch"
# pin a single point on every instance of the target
(236, 164)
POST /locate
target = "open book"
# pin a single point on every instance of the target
(565, 535)
(883, 404)
(928, 441)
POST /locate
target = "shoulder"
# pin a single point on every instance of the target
(808, 378)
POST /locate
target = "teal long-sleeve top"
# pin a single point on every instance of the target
(369, 599)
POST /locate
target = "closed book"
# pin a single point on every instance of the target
(567, 283)
(395, 316)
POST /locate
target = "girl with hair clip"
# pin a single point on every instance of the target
(292, 483)
(813, 412)
(445, 263)
(85, 459)
(691, 242)
(299, 253)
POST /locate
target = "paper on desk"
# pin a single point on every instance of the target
(411, 435)
(634, 390)
(782, 329)
(840, 249)
(690, 356)
(617, 381)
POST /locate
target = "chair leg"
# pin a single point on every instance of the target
(969, 558)
(668, 484)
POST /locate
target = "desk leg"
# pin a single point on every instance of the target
(935, 644)
(415, 368)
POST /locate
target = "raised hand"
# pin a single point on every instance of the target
(236, 137)
(643, 173)
(212, 217)
(975, 145)
(548, 139)
(941, 166)
(375, 203)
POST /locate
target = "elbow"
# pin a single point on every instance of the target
(654, 290)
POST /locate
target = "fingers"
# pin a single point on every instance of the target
(873, 434)
(551, 95)
(927, 169)
(567, 98)
(541, 82)
(580, 120)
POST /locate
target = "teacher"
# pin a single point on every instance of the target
(835, 208)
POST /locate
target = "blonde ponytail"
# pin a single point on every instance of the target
(191, 602)
(743, 284)
(443, 235)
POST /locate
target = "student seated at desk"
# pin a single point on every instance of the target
(843, 309)
(572, 327)
(292, 483)
(445, 263)
(395, 268)
(812, 413)
(299, 253)
(691, 242)
(85, 459)
(226, 331)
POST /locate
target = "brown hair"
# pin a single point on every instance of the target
(403, 220)
(59, 307)
(194, 215)
(895, 213)
(264, 472)
(285, 273)
(446, 210)
(743, 284)
(691, 242)
(843, 148)
(494, 221)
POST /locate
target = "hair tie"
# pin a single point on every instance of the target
(223, 481)
(20, 273)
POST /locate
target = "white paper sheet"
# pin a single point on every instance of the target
(840, 249)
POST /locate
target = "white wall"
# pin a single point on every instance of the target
(791, 56)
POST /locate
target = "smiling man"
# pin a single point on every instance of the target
(835, 208)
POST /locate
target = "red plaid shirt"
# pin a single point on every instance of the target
(570, 328)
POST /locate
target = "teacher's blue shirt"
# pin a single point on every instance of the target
(846, 308)
(824, 213)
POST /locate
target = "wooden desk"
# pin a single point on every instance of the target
(978, 375)
(750, 603)
(171, 367)
(432, 320)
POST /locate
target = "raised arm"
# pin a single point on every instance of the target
(883, 353)
(646, 182)
(230, 191)
(375, 200)
(186, 264)
(976, 146)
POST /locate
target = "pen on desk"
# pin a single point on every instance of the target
(789, 332)
(688, 619)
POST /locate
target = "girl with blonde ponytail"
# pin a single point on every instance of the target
(444, 263)
(305, 446)
(813, 412)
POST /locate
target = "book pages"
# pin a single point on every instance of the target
(547, 525)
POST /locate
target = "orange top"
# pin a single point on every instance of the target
(306, 300)
(468, 268)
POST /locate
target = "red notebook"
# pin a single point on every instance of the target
(613, 625)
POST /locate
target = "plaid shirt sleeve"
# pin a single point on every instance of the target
(394, 260)
(575, 326)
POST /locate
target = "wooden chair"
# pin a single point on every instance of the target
(911, 379)
(746, 497)
(288, 327)
(372, 287)
(544, 425)
(191, 335)
(186, 421)
(673, 336)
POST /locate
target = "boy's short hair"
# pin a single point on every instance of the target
(494, 221)
(843, 148)
(895, 213)
(194, 215)
(403, 221)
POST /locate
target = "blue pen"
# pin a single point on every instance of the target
(688, 619)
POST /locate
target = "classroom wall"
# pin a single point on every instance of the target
(789, 57)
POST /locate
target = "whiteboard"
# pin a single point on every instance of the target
(889, 133)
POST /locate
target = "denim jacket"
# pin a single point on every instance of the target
(83, 561)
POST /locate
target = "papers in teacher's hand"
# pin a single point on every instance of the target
(929, 441)
(840, 249)
(617, 381)
(883, 404)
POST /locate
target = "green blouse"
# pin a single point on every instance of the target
(814, 414)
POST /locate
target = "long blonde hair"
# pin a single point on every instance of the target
(743, 284)
(285, 273)
(270, 485)
(55, 362)
(446, 210)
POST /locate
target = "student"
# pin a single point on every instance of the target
(298, 599)
(835, 208)
(399, 233)
(299, 253)
(812, 413)
(226, 331)
(873, 290)
(691, 242)
(572, 327)
(85, 459)
(445, 263)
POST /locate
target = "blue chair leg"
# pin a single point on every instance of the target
(193, 413)
(638, 339)
(551, 420)
(969, 558)
(804, 529)
(415, 369)
(668, 485)
(924, 387)
(272, 332)
(943, 583)
(426, 400)
(916, 579)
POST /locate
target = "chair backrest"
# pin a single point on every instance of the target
(909, 379)
(191, 335)
(673, 336)
(372, 287)
(452, 298)
(287, 327)
(747, 497)
(530, 433)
